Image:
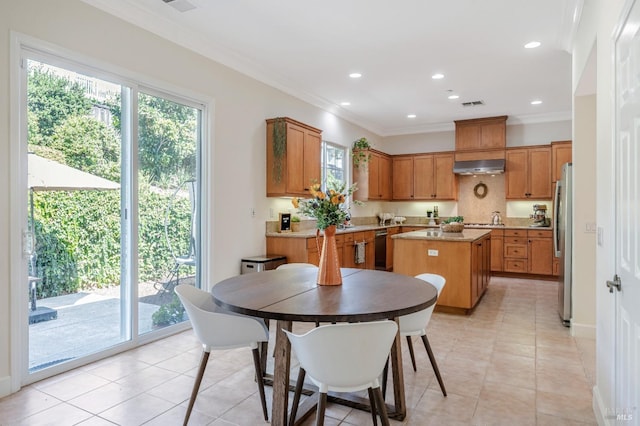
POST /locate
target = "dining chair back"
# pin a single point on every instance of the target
(344, 358)
(296, 265)
(216, 328)
(415, 324)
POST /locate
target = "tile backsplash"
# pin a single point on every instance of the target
(477, 209)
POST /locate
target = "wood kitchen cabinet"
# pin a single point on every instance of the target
(349, 251)
(379, 170)
(540, 252)
(290, 173)
(497, 250)
(464, 264)
(560, 154)
(481, 133)
(480, 268)
(302, 250)
(424, 177)
(515, 250)
(528, 173)
(528, 251)
(402, 174)
(389, 260)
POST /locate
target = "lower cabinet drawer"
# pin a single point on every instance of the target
(515, 265)
(515, 250)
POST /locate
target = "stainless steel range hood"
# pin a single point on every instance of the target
(479, 167)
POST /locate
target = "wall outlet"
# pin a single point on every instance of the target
(590, 227)
(432, 252)
(270, 213)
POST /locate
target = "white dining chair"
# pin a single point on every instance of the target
(219, 329)
(343, 358)
(415, 324)
(296, 265)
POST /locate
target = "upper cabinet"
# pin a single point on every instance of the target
(481, 133)
(528, 173)
(424, 177)
(560, 154)
(293, 157)
(379, 168)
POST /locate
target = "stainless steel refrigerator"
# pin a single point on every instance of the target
(562, 240)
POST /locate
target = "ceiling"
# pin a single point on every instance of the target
(309, 48)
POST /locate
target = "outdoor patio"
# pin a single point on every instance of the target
(87, 322)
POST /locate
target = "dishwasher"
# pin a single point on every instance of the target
(381, 249)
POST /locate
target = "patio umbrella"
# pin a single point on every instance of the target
(49, 175)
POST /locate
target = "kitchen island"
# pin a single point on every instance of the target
(462, 258)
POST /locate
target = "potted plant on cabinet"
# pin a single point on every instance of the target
(360, 156)
(295, 224)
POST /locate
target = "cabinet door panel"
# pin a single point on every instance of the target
(373, 168)
(384, 174)
(423, 181)
(540, 173)
(312, 152)
(497, 256)
(295, 159)
(515, 176)
(402, 178)
(541, 256)
(445, 180)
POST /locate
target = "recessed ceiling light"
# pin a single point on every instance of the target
(453, 96)
(411, 116)
(355, 75)
(536, 102)
(345, 103)
(437, 76)
(532, 45)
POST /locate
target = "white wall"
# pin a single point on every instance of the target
(599, 19)
(583, 316)
(240, 106)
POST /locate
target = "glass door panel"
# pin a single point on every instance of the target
(168, 140)
(74, 195)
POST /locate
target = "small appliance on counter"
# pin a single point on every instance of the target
(261, 263)
(539, 215)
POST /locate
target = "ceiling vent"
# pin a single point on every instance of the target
(180, 5)
(472, 103)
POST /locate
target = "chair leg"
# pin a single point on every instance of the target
(385, 373)
(382, 408)
(322, 406)
(296, 396)
(413, 357)
(434, 364)
(196, 385)
(372, 402)
(259, 379)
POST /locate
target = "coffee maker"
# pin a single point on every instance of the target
(539, 215)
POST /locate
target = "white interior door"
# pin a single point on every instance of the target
(627, 238)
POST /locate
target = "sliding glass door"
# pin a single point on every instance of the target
(113, 210)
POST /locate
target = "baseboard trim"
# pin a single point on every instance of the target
(586, 331)
(599, 409)
(5, 386)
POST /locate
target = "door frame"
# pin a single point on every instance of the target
(19, 43)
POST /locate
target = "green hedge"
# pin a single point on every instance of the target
(78, 238)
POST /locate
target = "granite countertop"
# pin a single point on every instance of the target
(307, 233)
(467, 235)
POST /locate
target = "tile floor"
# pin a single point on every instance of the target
(510, 362)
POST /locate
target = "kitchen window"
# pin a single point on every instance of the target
(333, 162)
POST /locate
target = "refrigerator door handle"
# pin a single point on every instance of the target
(556, 220)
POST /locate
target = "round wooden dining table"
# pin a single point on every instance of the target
(289, 295)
